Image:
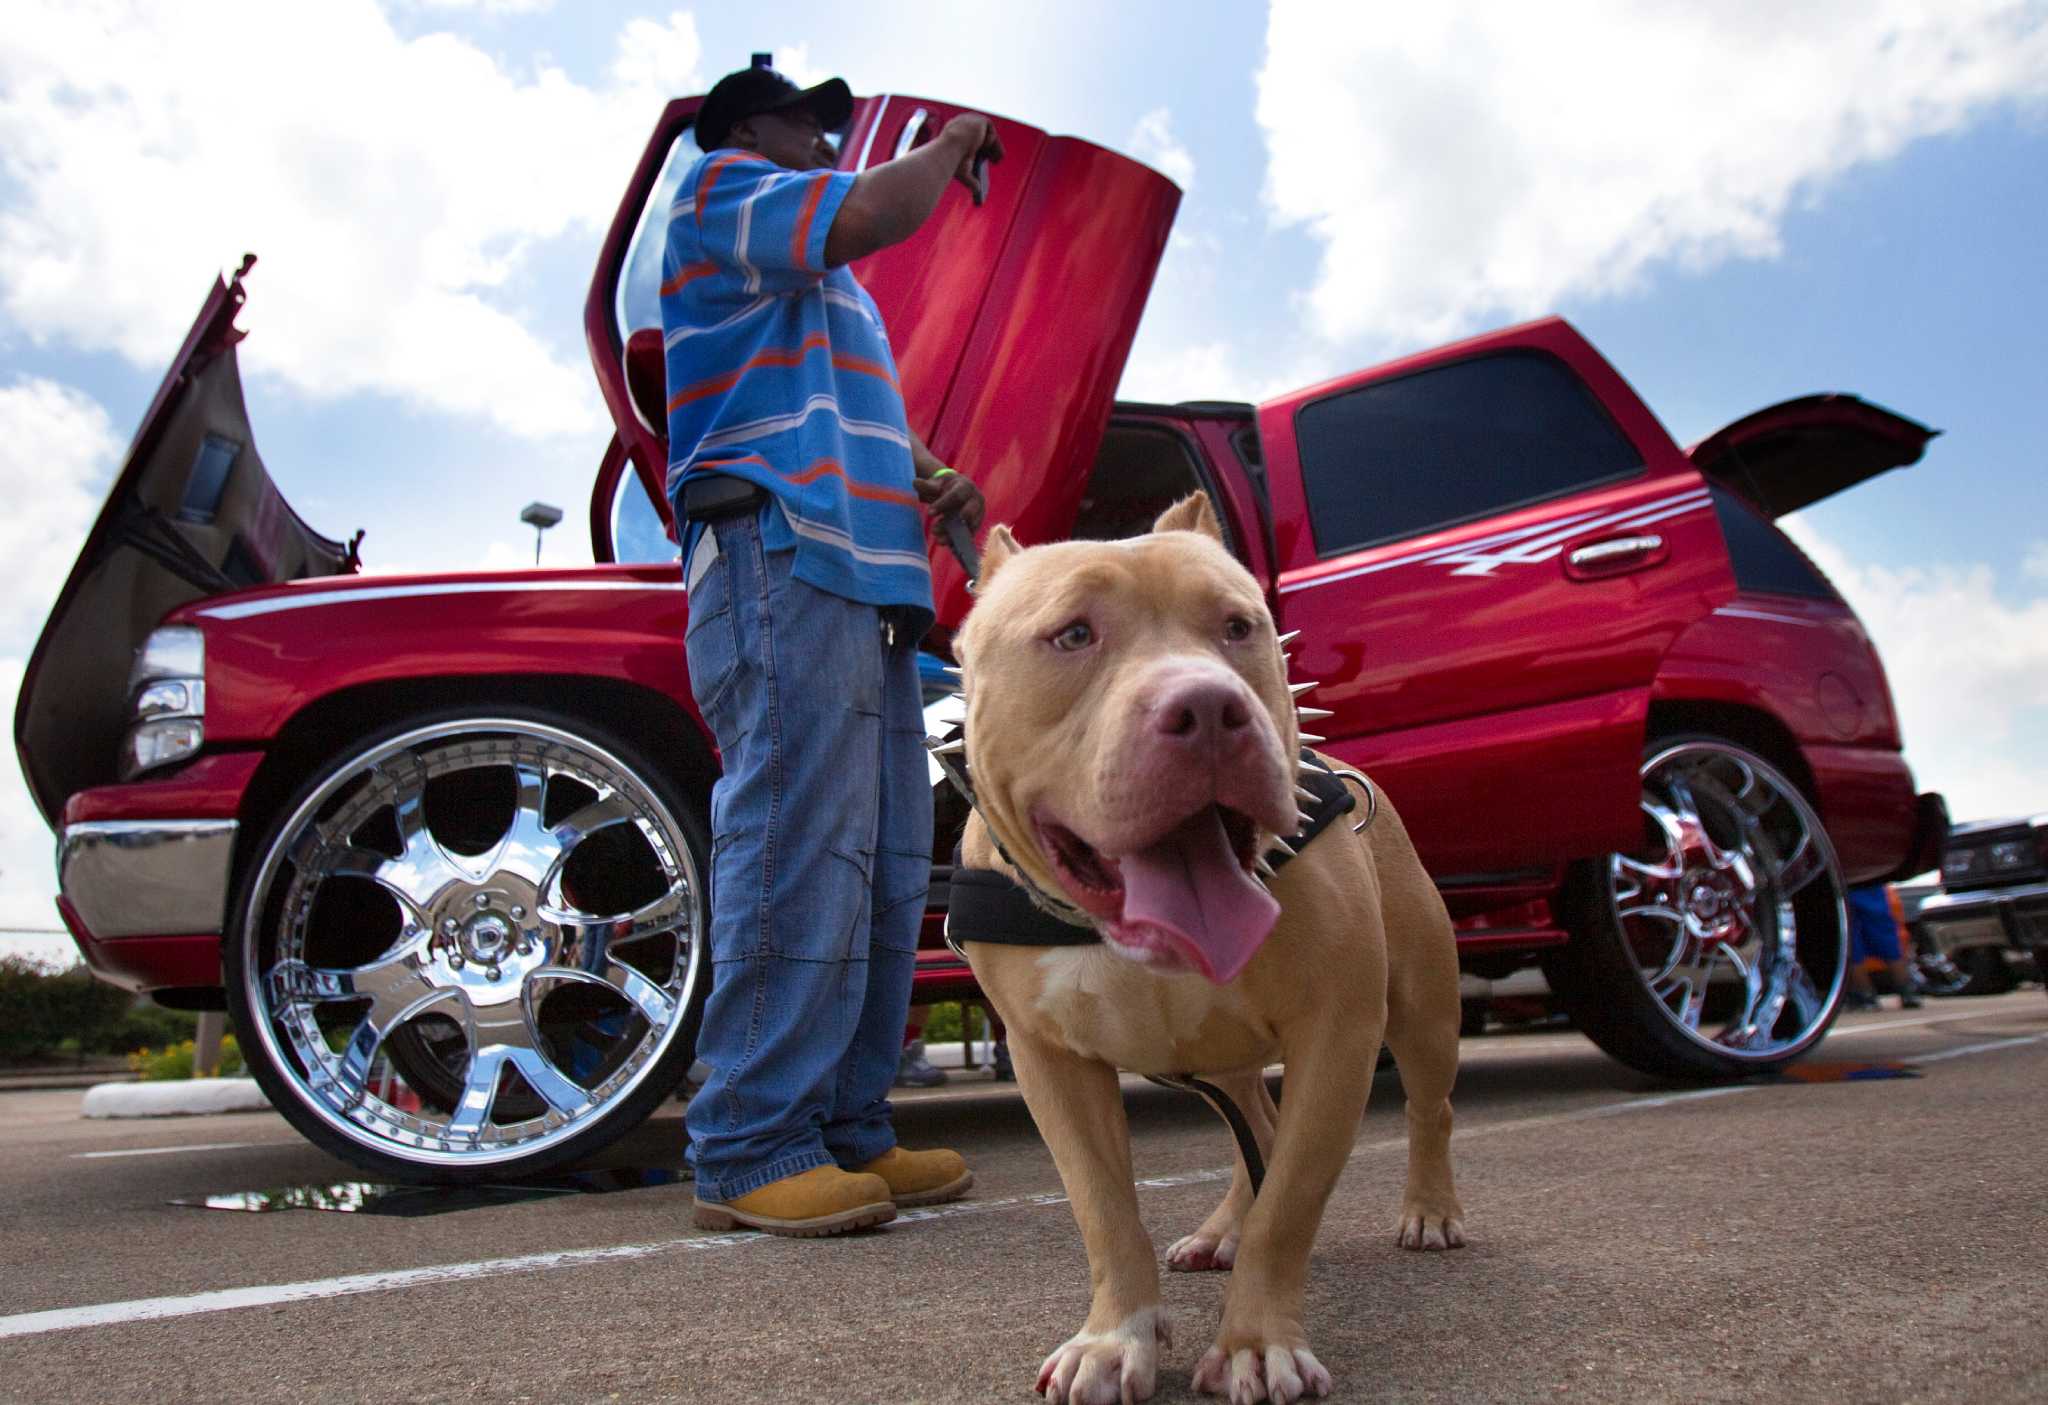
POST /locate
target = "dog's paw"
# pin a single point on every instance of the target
(1429, 1229)
(1202, 1251)
(1117, 1367)
(1280, 1374)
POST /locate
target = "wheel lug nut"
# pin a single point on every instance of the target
(454, 963)
(450, 926)
(525, 948)
(490, 973)
(483, 900)
(518, 912)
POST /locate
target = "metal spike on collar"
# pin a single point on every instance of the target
(1312, 714)
(1289, 637)
(955, 747)
(1308, 768)
(1263, 867)
(1297, 689)
(1305, 817)
(1310, 739)
(953, 669)
(1284, 847)
(1302, 792)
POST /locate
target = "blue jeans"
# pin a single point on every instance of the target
(820, 861)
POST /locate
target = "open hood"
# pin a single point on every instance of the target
(1792, 455)
(191, 514)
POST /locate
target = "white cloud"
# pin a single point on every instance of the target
(1462, 164)
(1152, 141)
(57, 454)
(393, 187)
(489, 7)
(1967, 658)
(2035, 566)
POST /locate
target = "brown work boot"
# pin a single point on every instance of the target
(822, 1200)
(920, 1177)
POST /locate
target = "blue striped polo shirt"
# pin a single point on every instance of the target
(779, 372)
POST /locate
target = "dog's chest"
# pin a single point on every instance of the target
(1106, 1007)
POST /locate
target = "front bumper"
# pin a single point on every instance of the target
(136, 878)
(1994, 917)
(143, 871)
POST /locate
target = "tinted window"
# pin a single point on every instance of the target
(1764, 558)
(1405, 456)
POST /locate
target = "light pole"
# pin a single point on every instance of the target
(540, 516)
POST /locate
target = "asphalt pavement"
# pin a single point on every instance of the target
(1867, 1239)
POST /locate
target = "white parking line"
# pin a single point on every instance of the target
(192, 1304)
(164, 1150)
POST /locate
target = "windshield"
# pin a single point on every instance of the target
(638, 303)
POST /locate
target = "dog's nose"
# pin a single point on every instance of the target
(1198, 711)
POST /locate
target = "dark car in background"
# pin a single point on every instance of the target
(1990, 917)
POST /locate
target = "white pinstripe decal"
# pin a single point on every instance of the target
(1524, 545)
(251, 608)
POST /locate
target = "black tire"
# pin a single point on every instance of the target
(1986, 971)
(1651, 930)
(535, 995)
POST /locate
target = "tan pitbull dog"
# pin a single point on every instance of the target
(1132, 741)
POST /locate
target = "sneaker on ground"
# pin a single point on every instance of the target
(914, 1070)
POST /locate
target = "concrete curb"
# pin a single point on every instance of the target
(189, 1097)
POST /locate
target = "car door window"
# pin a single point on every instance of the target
(638, 534)
(1405, 456)
(638, 301)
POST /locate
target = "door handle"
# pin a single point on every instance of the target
(1614, 556)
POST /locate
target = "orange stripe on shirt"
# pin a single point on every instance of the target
(689, 274)
(711, 174)
(862, 364)
(824, 468)
(802, 238)
(716, 384)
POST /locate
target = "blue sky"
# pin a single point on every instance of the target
(1737, 203)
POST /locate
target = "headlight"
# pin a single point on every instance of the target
(166, 700)
(2012, 854)
(1962, 863)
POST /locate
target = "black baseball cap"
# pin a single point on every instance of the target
(758, 89)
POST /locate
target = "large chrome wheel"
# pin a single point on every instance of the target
(1718, 947)
(473, 948)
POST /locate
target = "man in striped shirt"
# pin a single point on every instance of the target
(800, 492)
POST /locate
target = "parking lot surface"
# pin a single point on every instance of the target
(1855, 1239)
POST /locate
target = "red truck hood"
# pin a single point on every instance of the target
(192, 514)
(1792, 455)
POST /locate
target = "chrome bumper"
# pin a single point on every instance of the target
(2016, 916)
(147, 878)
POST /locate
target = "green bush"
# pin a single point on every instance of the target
(943, 1024)
(41, 1010)
(175, 1061)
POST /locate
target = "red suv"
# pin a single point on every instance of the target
(438, 842)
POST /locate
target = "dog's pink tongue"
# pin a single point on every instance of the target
(1190, 888)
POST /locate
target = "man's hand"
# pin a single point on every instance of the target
(950, 495)
(975, 138)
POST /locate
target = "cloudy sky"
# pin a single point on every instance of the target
(1738, 202)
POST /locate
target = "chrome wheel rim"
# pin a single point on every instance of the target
(472, 942)
(1732, 911)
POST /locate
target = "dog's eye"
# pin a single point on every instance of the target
(1074, 635)
(1237, 629)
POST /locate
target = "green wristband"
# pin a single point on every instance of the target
(943, 472)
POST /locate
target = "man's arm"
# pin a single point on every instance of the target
(889, 202)
(944, 492)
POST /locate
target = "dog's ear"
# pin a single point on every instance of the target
(1194, 513)
(999, 547)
